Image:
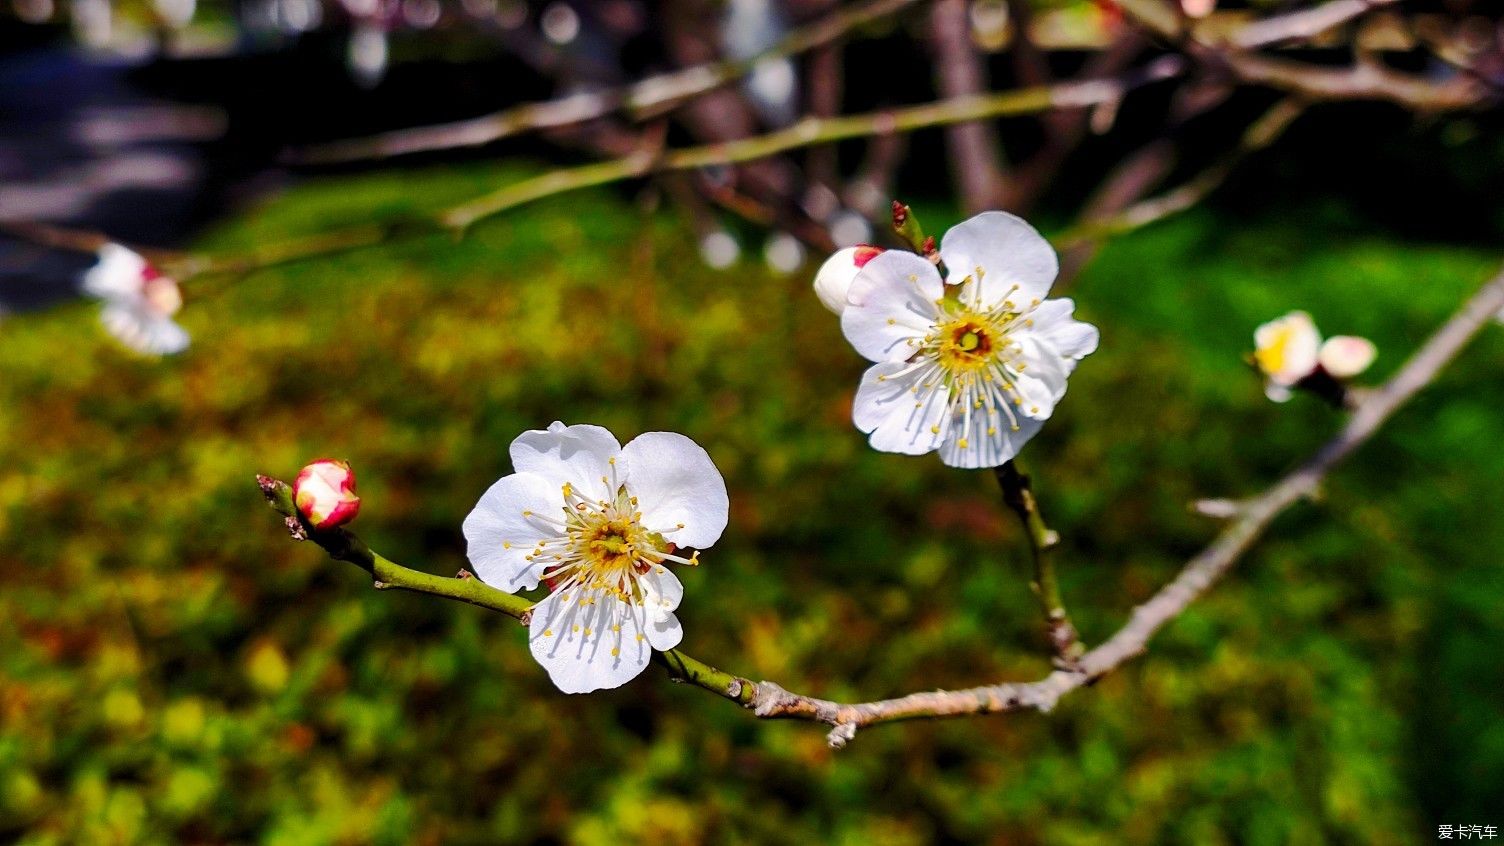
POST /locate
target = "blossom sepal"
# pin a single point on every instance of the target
(324, 493)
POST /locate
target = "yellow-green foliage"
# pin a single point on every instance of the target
(173, 668)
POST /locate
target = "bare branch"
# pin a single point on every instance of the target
(649, 97)
(975, 155)
(809, 132)
(1253, 518)
(1304, 24)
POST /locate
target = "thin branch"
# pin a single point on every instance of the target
(647, 98)
(976, 157)
(806, 133)
(1018, 495)
(1304, 24)
(809, 132)
(1080, 240)
(343, 545)
(1363, 80)
(1196, 578)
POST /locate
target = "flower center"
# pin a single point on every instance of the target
(969, 350)
(966, 342)
(1271, 358)
(609, 543)
(601, 545)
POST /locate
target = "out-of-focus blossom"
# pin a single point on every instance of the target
(139, 302)
(1346, 356)
(1288, 350)
(751, 27)
(324, 493)
(971, 365)
(719, 250)
(597, 523)
(367, 54)
(783, 252)
(560, 23)
(835, 276)
(849, 228)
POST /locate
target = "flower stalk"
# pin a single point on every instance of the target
(1018, 495)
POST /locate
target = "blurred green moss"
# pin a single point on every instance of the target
(173, 669)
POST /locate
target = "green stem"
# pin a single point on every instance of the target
(344, 545)
(1018, 495)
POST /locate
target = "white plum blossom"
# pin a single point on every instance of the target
(1289, 349)
(139, 302)
(971, 365)
(1286, 350)
(598, 523)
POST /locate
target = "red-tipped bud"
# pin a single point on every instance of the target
(838, 272)
(900, 214)
(325, 494)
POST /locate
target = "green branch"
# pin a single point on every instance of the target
(1018, 495)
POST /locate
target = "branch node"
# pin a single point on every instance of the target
(380, 585)
(464, 574)
(771, 700)
(842, 734)
(295, 528)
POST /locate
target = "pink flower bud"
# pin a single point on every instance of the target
(1346, 356)
(325, 494)
(838, 272)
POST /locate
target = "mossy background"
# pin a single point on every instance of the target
(173, 669)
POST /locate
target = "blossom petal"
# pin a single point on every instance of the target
(904, 407)
(661, 593)
(677, 485)
(1042, 381)
(833, 280)
(1346, 356)
(891, 302)
(587, 640)
(499, 537)
(989, 441)
(135, 324)
(1009, 252)
(579, 455)
(1054, 325)
(1287, 349)
(119, 273)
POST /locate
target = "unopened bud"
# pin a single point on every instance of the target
(1345, 356)
(838, 272)
(325, 494)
